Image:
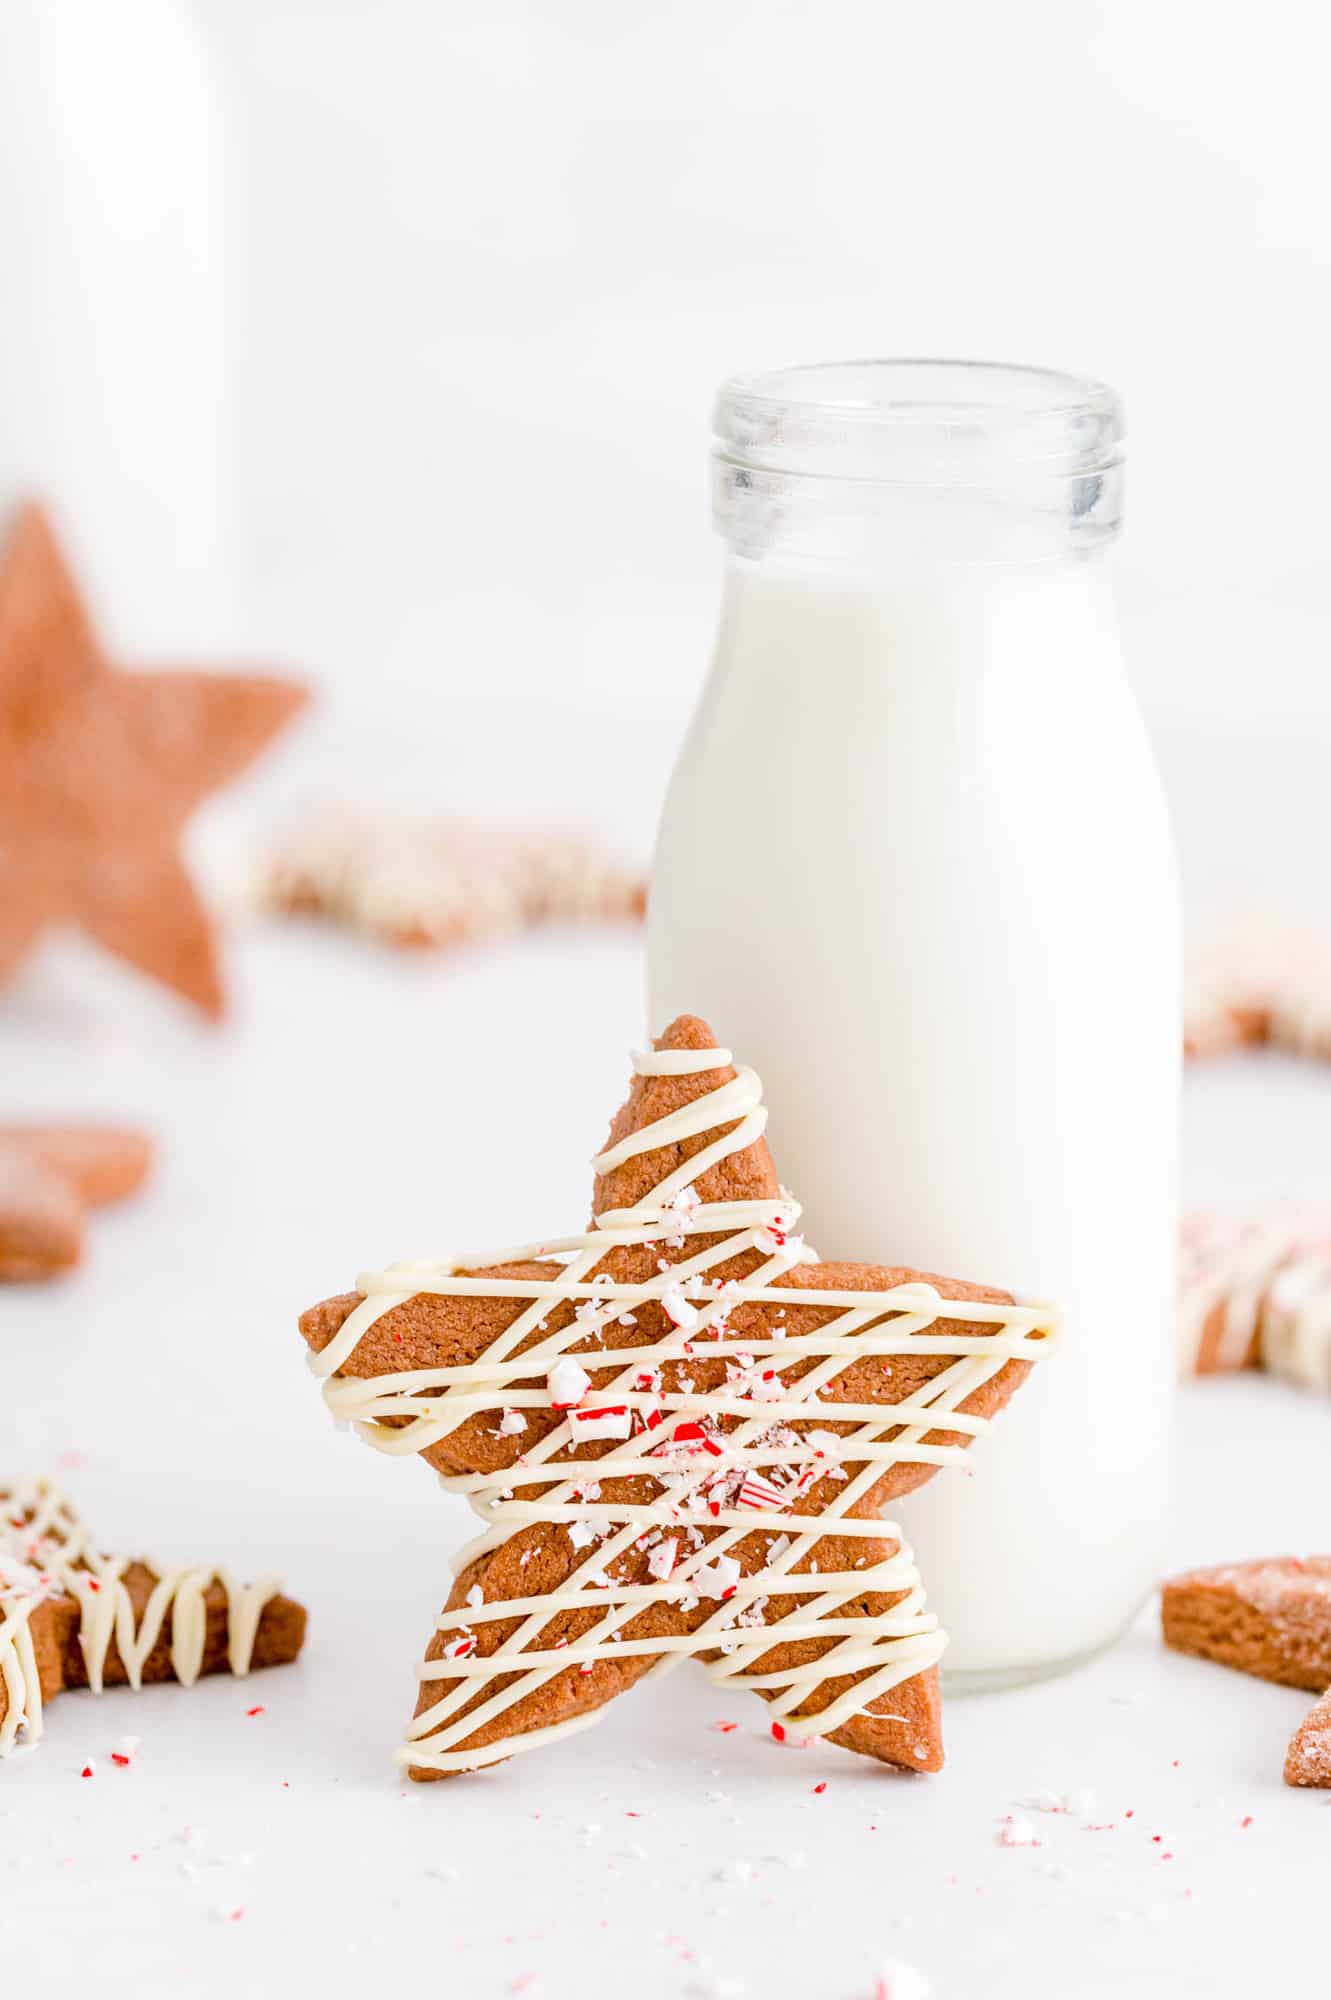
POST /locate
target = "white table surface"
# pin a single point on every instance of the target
(356, 1108)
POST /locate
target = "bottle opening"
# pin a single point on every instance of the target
(993, 459)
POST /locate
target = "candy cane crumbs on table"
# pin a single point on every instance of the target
(47, 1554)
(899, 1981)
(719, 1472)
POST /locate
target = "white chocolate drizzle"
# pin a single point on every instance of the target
(761, 1464)
(46, 1551)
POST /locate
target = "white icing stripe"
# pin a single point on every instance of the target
(736, 1099)
(22, 1589)
(46, 1551)
(679, 1062)
(410, 1410)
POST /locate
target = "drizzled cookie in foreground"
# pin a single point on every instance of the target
(679, 1429)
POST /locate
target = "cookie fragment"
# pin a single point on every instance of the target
(41, 1219)
(49, 1175)
(101, 1163)
(1258, 982)
(1309, 1759)
(1270, 1617)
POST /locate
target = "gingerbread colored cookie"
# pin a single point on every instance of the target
(101, 1163)
(72, 1617)
(1270, 1617)
(679, 1428)
(41, 1219)
(99, 772)
(446, 882)
(1259, 982)
(49, 1175)
(1255, 1292)
(1309, 1758)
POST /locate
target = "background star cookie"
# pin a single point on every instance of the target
(99, 772)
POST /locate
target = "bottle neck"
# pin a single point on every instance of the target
(897, 468)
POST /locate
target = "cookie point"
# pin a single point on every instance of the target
(686, 1031)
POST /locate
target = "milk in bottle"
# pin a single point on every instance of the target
(915, 867)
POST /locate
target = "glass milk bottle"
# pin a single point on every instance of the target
(915, 865)
(116, 350)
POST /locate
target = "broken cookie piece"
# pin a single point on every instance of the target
(49, 1176)
(1270, 1617)
(1309, 1759)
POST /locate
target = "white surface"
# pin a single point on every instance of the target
(356, 1108)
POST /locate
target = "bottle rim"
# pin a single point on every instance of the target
(967, 460)
(932, 422)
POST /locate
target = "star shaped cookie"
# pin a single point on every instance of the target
(99, 772)
(679, 1430)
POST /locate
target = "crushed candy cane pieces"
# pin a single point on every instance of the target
(663, 1558)
(567, 1382)
(601, 1421)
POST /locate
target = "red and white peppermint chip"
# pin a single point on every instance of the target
(718, 1579)
(759, 1492)
(606, 1420)
(677, 1308)
(568, 1382)
(695, 1438)
(664, 1556)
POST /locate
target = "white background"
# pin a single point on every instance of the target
(499, 256)
(479, 269)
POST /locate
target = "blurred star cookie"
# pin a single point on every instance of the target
(99, 772)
